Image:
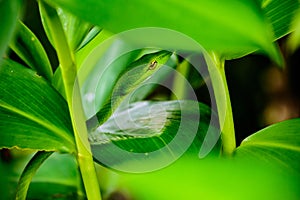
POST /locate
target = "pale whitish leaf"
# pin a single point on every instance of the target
(168, 127)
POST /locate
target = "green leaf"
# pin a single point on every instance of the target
(30, 50)
(166, 129)
(45, 24)
(215, 179)
(135, 74)
(281, 14)
(29, 171)
(278, 144)
(85, 51)
(90, 36)
(13, 166)
(75, 29)
(218, 26)
(57, 177)
(32, 114)
(293, 41)
(9, 14)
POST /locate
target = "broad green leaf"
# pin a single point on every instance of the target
(211, 179)
(281, 14)
(231, 28)
(30, 50)
(29, 171)
(166, 129)
(130, 79)
(32, 114)
(9, 15)
(278, 144)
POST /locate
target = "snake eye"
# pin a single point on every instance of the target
(152, 65)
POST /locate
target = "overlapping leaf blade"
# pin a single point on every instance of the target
(58, 177)
(32, 114)
(29, 171)
(30, 50)
(75, 29)
(278, 144)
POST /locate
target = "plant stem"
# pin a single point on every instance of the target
(179, 90)
(222, 98)
(68, 70)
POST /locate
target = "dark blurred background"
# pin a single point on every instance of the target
(262, 93)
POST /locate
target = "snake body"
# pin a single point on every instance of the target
(136, 73)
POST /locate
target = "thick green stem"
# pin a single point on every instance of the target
(68, 70)
(219, 84)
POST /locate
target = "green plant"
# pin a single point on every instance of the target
(50, 112)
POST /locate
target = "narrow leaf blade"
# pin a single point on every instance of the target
(30, 50)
